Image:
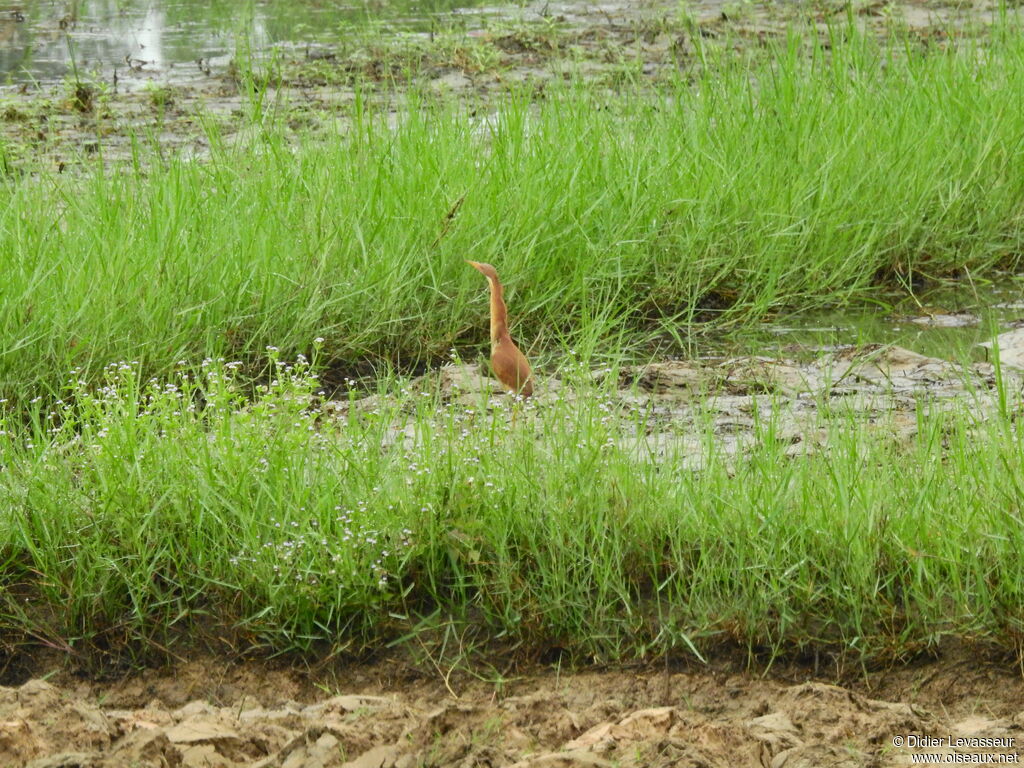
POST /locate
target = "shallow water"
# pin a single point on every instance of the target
(946, 323)
(39, 40)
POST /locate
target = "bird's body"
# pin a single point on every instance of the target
(509, 364)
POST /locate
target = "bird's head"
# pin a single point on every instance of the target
(485, 269)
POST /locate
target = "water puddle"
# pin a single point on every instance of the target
(40, 40)
(950, 323)
(84, 79)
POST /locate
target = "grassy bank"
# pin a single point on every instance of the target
(153, 503)
(135, 522)
(807, 177)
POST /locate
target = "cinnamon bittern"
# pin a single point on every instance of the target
(508, 362)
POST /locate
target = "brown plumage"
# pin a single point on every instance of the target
(509, 364)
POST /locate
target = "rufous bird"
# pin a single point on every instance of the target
(509, 364)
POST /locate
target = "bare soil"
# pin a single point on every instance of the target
(213, 713)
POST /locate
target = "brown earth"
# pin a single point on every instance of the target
(215, 713)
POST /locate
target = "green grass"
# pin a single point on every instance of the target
(154, 503)
(805, 178)
(136, 521)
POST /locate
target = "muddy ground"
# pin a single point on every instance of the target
(668, 409)
(215, 714)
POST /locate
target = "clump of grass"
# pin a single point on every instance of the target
(140, 515)
(364, 57)
(83, 97)
(161, 96)
(82, 94)
(809, 178)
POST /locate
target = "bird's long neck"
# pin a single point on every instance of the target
(499, 315)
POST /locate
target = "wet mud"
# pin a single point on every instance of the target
(678, 405)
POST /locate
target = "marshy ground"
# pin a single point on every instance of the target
(764, 510)
(212, 68)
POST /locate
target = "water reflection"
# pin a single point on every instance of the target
(39, 39)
